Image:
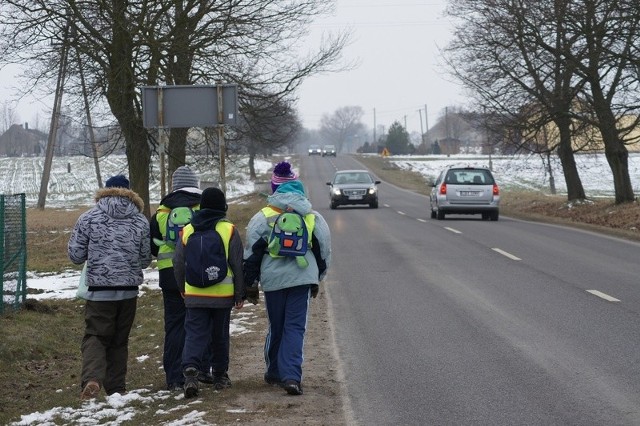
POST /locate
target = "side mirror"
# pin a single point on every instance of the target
(377, 182)
(328, 183)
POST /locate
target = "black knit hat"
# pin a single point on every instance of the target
(118, 181)
(213, 198)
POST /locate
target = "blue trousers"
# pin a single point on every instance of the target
(283, 350)
(206, 340)
(174, 315)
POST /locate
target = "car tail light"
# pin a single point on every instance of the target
(443, 189)
(496, 191)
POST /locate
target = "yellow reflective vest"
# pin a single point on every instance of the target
(225, 287)
(165, 251)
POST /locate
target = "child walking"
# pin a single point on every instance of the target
(209, 305)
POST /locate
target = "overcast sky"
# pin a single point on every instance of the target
(395, 44)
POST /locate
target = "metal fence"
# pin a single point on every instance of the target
(13, 251)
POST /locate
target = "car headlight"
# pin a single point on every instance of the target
(373, 190)
(336, 191)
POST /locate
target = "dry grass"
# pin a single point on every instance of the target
(48, 234)
(599, 215)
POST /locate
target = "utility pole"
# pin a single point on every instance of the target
(421, 128)
(55, 119)
(426, 118)
(223, 181)
(162, 142)
(375, 141)
(92, 136)
(405, 123)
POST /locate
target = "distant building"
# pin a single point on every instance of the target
(21, 141)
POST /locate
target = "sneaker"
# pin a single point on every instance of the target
(175, 387)
(91, 390)
(205, 378)
(272, 381)
(190, 382)
(221, 381)
(292, 387)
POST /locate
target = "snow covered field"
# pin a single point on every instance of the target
(77, 186)
(527, 172)
(73, 179)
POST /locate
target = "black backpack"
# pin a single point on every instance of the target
(205, 258)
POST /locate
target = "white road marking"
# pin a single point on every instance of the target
(422, 220)
(506, 254)
(455, 231)
(386, 205)
(402, 213)
(603, 295)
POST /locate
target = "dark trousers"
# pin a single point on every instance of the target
(283, 350)
(105, 345)
(207, 339)
(174, 315)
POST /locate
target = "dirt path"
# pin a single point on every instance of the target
(322, 402)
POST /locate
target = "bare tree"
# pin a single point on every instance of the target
(8, 116)
(499, 51)
(124, 44)
(343, 125)
(608, 34)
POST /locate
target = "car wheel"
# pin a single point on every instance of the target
(433, 214)
(486, 216)
(373, 205)
(494, 216)
(333, 205)
(440, 215)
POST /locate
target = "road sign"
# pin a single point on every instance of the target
(188, 105)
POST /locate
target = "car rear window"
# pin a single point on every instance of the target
(469, 177)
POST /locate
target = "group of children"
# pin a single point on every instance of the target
(205, 271)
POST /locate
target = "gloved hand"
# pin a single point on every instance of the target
(253, 294)
(314, 290)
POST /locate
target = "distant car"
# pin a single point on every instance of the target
(315, 150)
(465, 190)
(328, 150)
(349, 187)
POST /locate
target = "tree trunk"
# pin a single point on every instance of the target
(575, 190)
(614, 149)
(138, 159)
(252, 164)
(121, 95)
(177, 149)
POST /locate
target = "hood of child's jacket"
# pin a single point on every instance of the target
(119, 203)
(294, 200)
(182, 197)
(206, 218)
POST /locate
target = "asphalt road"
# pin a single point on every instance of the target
(465, 321)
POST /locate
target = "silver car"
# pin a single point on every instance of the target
(465, 190)
(349, 187)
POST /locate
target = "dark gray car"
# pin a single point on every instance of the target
(351, 187)
(465, 190)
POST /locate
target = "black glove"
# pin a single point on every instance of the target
(314, 290)
(253, 294)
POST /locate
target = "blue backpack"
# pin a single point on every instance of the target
(205, 258)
